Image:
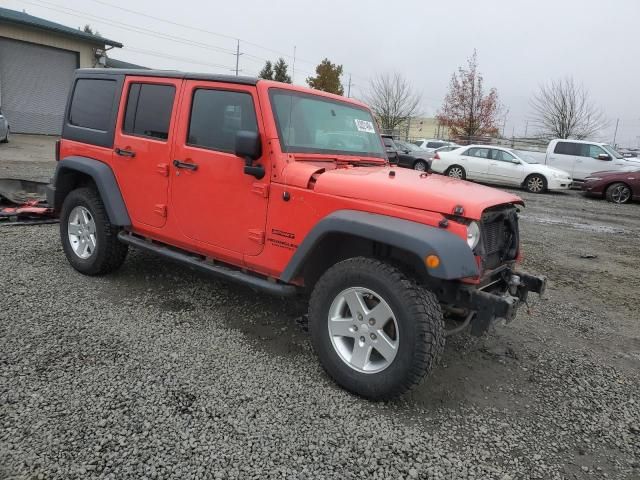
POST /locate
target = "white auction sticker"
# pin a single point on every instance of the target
(364, 126)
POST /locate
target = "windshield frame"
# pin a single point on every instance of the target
(381, 155)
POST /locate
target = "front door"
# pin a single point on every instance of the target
(142, 147)
(505, 168)
(214, 201)
(588, 161)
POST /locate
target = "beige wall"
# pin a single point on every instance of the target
(42, 37)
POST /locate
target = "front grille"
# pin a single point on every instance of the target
(500, 236)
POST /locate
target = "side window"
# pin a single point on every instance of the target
(388, 143)
(502, 156)
(478, 152)
(92, 103)
(148, 112)
(592, 150)
(216, 116)
(568, 148)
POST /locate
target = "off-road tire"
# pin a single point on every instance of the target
(448, 172)
(421, 166)
(535, 181)
(420, 327)
(109, 253)
(618, 192)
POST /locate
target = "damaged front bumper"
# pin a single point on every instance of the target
(498, 299)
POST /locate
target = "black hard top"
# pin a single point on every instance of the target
(212, 77)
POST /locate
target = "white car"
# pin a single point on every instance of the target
(502, 166)
(431, 145)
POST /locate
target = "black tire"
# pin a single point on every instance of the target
(418, 315)
(6, 137)
(109, 253)
(535, 183)
(421, 166)
(618, 192)
(449, 172)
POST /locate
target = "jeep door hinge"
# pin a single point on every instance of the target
(257, 236)
(160, 209)
(261, 189)
(163, 169)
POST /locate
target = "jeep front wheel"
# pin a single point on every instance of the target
(89, 241)
(376, 332)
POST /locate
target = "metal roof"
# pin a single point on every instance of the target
(212, 77)
(24, 19)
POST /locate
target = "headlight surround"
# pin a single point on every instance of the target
(473, 235)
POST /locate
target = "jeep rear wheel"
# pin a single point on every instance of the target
(376, 332)
(89, 241)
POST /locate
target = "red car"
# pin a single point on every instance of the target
(287, 190)
(617, 187)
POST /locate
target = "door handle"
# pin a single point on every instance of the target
(125, 153)
(187, 165)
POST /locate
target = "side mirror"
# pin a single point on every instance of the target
(249, 147)
(604, 156)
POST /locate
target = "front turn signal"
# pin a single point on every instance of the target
(432, 261)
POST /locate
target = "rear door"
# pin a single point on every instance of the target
(564, 155)
(477, 163)
(142, 146)
(504, 168)
(214, 200)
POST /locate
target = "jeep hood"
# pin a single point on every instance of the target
(409, 188)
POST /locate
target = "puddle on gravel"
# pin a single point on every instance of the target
(588, 227)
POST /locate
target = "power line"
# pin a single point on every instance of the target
(173, 57)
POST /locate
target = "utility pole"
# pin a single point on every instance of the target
(293, 67)
(349, 87)
(237, 56)
(526, 127)
(615, 134)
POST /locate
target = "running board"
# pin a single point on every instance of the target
(198, 263)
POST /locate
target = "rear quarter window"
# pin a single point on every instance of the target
(92, 103)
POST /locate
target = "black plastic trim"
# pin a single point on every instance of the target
(456, 258)
(202, 265)
(102, 176)
(240, 80)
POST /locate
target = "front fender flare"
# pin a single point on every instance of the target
(456, 258)
(102, 176)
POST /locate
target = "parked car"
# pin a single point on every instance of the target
(244, 181)
(501, 166)
(581, 158)
(617, 186)
(431, 145)
(4, 128)
(414, 157)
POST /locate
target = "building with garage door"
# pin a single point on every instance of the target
(37, 60)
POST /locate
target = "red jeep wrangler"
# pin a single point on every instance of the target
(287, 190)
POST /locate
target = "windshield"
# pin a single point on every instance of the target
(611, 151)
(309, 123)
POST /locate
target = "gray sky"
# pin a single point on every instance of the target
(520, 43)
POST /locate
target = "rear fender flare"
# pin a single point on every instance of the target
(104, 179)
(456, 258)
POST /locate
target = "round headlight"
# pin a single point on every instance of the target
(473, 235)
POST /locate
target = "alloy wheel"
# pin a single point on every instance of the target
(535, 184)
(420, 166)
(455, 172)
(363, 330)
(620, 194)
(81, 229)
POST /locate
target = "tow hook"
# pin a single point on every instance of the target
(514, 283)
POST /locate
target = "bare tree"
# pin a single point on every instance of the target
(392, 100)
(563, 109)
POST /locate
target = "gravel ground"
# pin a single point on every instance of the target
(159, 372)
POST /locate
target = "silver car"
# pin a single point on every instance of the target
(4, 128)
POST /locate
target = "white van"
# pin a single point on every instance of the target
(581, 158)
